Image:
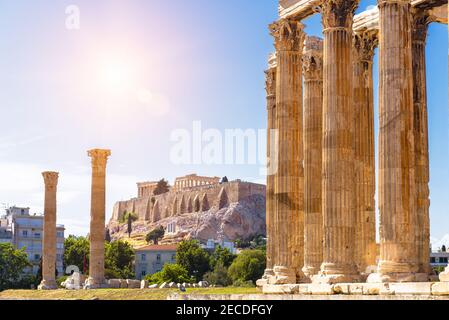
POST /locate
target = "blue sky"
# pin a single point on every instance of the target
(185, 61)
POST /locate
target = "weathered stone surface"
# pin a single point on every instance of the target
(413, 288)
(440, 289)
(172, 285)
(143, 284)
(133, 284)
(280, 289)
(115, 283)
(164, 285)
(203, 284)
(320, 288)
(444, 276)
(153, 286)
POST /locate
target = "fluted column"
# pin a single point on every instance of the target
(49, 244)
(289, 258)
(397, 204)
(313, 134)
(421, 20)
(271, 165)
(338, 150)
(97, 218)
(364, 164)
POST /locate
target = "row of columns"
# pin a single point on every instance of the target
(320, 200)
(97, 223)
(192, 182)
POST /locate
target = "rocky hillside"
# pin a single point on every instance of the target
(239, 220)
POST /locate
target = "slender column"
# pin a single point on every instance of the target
(397, 204)
(338, 150)
(289, 178)
(421, 20)
(444, 276)
(365, 240)
(271, 126)
(97, 218)
(49, 243)
(313, 134)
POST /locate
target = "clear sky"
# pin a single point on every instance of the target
(134, 73)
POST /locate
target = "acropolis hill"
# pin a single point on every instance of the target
(195, 207)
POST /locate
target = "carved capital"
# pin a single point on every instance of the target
(99, 157)
(401, 2)
(270, 82)
(313, 59)
(364, 45)
(420, 24)
(288, 35)
(50, 178)
(338, 13)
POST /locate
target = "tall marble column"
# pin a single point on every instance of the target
(313, 135)
(338, 139)
(365, 240)
(49, 244)
(397, 204)
(271, 165)
(97, 218)
(444, 276)
(420, 23)
(289, 177)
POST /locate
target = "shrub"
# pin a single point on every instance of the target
(249, 265)
(169, 273)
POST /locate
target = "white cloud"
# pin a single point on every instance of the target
(438, 243)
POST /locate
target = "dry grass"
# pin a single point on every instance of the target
(115, 294)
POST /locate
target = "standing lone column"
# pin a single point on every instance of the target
(97, 218)
(338, 143)
(397, 204)
(49, 244)
(289, 178)
(421, 20)
(365, 241)
(313, 134)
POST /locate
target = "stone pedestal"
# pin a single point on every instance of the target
(97, 219)
(289, 177)
(444, 276)
(364, 164)
(398, 250)
(49, 243)
(338, 144)
(313, 127)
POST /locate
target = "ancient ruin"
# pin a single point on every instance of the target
(49, 244)
(97, 219)
(320, 202)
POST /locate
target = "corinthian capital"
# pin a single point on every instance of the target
(50, 178)
(420, 24)
(364, 45)
(313, 59)
(99, 157)
(288, 35)
(338, 13)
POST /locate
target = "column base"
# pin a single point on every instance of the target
(92, 283)
(444, 276)
(310, 271)
(331, 273)
(264, 280)
(397, 277)
(282, 275)
(47, 285)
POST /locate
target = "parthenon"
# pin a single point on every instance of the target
(321, 211)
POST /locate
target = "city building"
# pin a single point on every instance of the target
(26, 231)
(5, 231)
(212, 244)
(151, 259)
(439, 258)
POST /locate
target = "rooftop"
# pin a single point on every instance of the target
(162, 247)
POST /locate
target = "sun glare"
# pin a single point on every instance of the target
(117, 76)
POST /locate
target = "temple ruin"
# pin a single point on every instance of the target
(321, 220)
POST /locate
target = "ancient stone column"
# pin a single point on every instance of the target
(397, 204)
(289, 177)
(97, 218)
(313, 135)
(364, 163)
(270, 87)
(420, 23)
(338, 143)
(49, 244)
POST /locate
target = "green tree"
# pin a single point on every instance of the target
(155, 235)
(193, 258)
(219, 276)
(12, 263)
(119, 259)
(223, 256)
(127, 216)
(248, 266)
(170, 273)
(161, 187)
(76, 252)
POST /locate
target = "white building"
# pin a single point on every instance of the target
(27, 232)
(151, 259)
(212, 244)
(439, 258)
